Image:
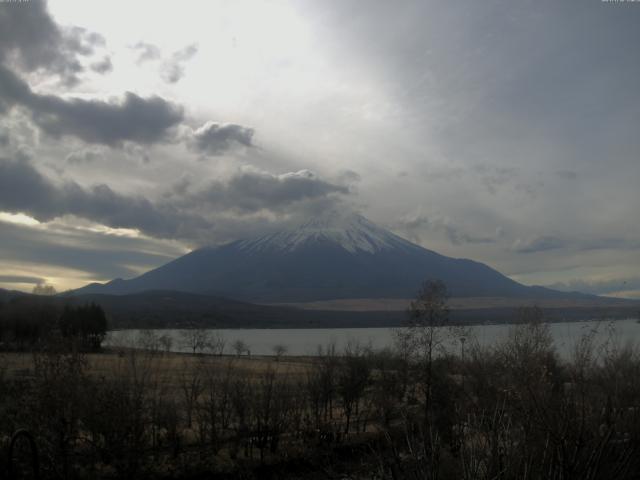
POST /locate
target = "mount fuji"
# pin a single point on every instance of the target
(332, 256)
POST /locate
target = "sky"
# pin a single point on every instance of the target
(503, 131)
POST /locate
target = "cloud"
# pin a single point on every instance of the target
(538, 244)
(190, 214)
(573, 245)
(608, 243)
(567, 174)
(12, 89)
(23, 189)
(493, 177)
(599, 286)
(349, 177)
(172, 70)
(215, 139)
(136, 152)
(103, 66)
(21, 279)
(30, 38)
(412, 224)
(17, 131)
(254, 190)
(429, 99)
(136, 119)
(147, 52)
(46, 248)
(133, 118)
(85, 156)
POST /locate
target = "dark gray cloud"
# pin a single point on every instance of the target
(30, 38)
(172, 70)
(21, 279)
(23, 189)
(215, 139)
(183, 215)
(103, 66)
(252, 190)
(136, 119)
(539, 244)
(12, 89)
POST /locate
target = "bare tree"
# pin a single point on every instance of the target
(215, 411)
(166, 342)
(148, 340)
(196, 339)
(320, 389)
(191, 384)
(240, 347)
(424, 336)
(428, 313)
(279, 350)
(353, 378)
(217, 343)
(44, 289)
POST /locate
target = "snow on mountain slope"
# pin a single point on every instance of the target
(350, 231)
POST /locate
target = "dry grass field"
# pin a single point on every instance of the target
(166, 367)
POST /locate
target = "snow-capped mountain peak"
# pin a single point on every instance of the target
(351, 231)
(333, 255)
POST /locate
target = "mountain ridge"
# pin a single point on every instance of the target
(332, 256)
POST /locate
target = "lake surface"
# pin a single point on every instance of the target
(306, 341)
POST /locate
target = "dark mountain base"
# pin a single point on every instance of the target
(179, 310)
(162, 309)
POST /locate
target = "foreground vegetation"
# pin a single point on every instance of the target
(512, 411)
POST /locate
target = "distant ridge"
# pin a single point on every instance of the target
(333, 256)
(172, 309)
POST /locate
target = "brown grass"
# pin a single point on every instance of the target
(165, 366)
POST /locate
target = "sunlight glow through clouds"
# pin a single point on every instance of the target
(25, 220)
(69, 232)
(18, 218)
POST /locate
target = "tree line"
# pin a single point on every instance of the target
(26, 322)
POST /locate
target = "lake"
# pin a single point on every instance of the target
(306, 341)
